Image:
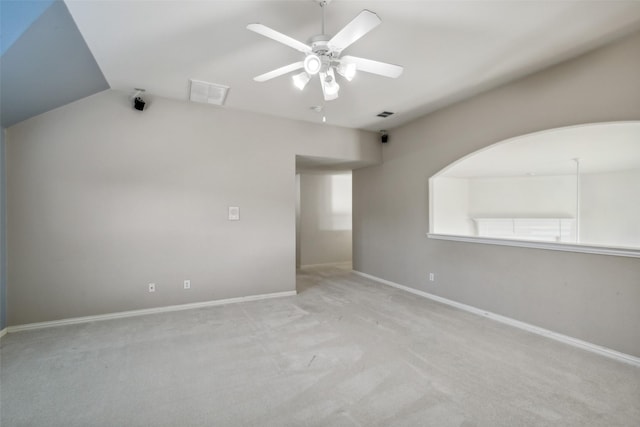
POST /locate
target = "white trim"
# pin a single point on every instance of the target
(594, 348)
(144, 312)
(566, 247)
(328, 264)
(3, 332)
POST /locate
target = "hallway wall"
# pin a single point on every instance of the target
(325, 220)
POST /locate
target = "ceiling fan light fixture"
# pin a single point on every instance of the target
(347, 70)
(301, 80)
(312, 64)
(322, 55)
(330, 85)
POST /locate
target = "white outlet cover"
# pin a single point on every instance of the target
(187, 284)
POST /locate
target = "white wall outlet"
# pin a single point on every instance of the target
(432, 277)
(187, 284)
(152, 287)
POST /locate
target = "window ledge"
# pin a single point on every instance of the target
(566, 247)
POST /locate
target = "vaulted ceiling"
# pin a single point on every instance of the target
(45, 61)
(449, 49)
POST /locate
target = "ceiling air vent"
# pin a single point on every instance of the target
(208, 93)
(385, 114)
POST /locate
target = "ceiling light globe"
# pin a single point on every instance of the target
(301, 80)
(348, 71)
(312, 64)
(332, 88)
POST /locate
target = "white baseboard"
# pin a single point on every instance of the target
(145, 312)
(3, 332)
(575, 342)
(328, 264)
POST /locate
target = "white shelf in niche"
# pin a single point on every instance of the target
(554, 246)
(538, 229)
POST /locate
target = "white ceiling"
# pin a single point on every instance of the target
(450, 49)
(601, 147)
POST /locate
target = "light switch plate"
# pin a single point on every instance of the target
(234, 213)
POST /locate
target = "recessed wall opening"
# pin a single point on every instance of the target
(323, 212)
(570, 188)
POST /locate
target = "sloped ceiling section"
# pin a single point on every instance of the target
(48, 66)
(16, 17)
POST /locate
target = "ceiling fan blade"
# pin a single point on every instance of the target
(279, 72)
(374, 67)
(279, 37)
(358, 27)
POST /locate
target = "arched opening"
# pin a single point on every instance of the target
(569, 188)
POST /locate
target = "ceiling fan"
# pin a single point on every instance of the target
(322, 55)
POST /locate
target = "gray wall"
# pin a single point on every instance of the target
(595, 298)
(3, 239)
(323, 236)
(103, 199)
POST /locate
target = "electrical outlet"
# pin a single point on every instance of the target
(187, 284)
(152, 287)
(432, 277)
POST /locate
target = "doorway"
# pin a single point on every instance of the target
(323, 216)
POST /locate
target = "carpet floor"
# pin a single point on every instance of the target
(346, 351)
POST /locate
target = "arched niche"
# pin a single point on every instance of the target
(574, 188)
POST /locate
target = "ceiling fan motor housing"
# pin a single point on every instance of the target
(320, 44)
(320, 47)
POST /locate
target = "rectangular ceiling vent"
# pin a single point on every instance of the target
(385, 114)
(208, 93)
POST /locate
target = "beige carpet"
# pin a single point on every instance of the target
(345, 352)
